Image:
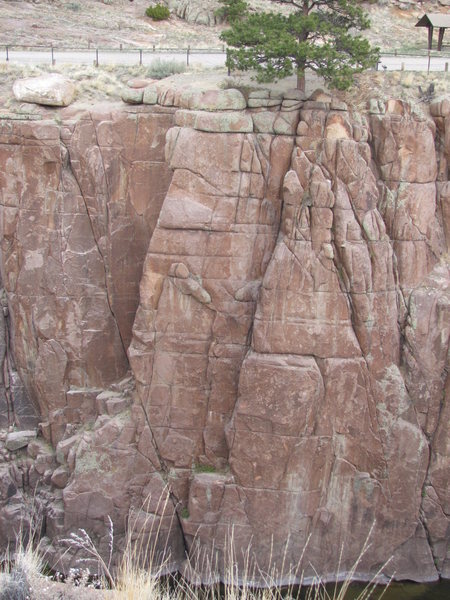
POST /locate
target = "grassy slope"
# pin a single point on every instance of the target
(91, 22)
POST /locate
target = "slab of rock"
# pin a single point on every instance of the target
(138, 83)
(132, 95)
(440, 107)
(19, 439)
(115, 406)
(263, 102)
(264, 121)
(50, 90)
(150, 95)
(60, 477)
(220, 122)
(213, 100)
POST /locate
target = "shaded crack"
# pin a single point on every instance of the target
(426, 483)
(163, 468)
(94, 237)
(370, 390)
(6, 364)
(166, 477)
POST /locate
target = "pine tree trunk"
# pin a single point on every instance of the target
(301, 80)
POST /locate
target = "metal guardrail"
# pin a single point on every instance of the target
(93, 54)
(121, 48)
(445, 52)
(422, 53)
(96, 51)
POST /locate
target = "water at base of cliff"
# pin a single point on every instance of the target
(397, 591)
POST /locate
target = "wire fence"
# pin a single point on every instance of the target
(105, 55)
(416, 52)
(213, 57)
(119, 48)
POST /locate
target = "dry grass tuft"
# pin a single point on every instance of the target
(140, 572)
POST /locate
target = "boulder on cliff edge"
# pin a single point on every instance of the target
(51, 90)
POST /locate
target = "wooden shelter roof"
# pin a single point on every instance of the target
(434, 20)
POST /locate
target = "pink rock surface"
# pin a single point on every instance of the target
(80, 198)
(281, 300)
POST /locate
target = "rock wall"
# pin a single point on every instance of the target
(231, 315)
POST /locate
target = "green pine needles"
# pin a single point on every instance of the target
(232, 10)
(315, 34)
(159, 12)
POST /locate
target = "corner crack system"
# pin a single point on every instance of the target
(166, 476)
(105, 270)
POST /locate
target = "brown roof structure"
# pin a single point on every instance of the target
(432, 20)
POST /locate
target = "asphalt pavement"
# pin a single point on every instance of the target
(110, 57)
(213, 58)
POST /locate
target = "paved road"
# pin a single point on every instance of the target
(210, 59)
(124, 57)
(394, 63)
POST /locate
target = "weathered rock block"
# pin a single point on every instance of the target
(51, 90)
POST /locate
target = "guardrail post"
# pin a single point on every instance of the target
(140, 57)
(187, 55)
(446, 67)
(96, 57)
(7, 53)
(53, 57)
(154, 47)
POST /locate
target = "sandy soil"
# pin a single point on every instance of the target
(86, 23)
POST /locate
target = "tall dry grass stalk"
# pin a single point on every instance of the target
(22, 564)
(211, 574)
(142, 566)
(227, 581)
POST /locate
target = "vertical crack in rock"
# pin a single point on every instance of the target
(16, 408)
(164, 470)
(99, 250)
(162, 467)
(105, 262)
(6, 406)
(408, 205)
(426, 485)
(203, 268)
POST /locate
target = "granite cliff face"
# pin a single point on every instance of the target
(231, 319)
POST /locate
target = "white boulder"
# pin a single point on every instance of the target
(51, 90)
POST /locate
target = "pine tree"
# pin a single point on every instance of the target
(315, 34)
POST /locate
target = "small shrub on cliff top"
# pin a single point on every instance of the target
(159, 69)
(159, 12)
